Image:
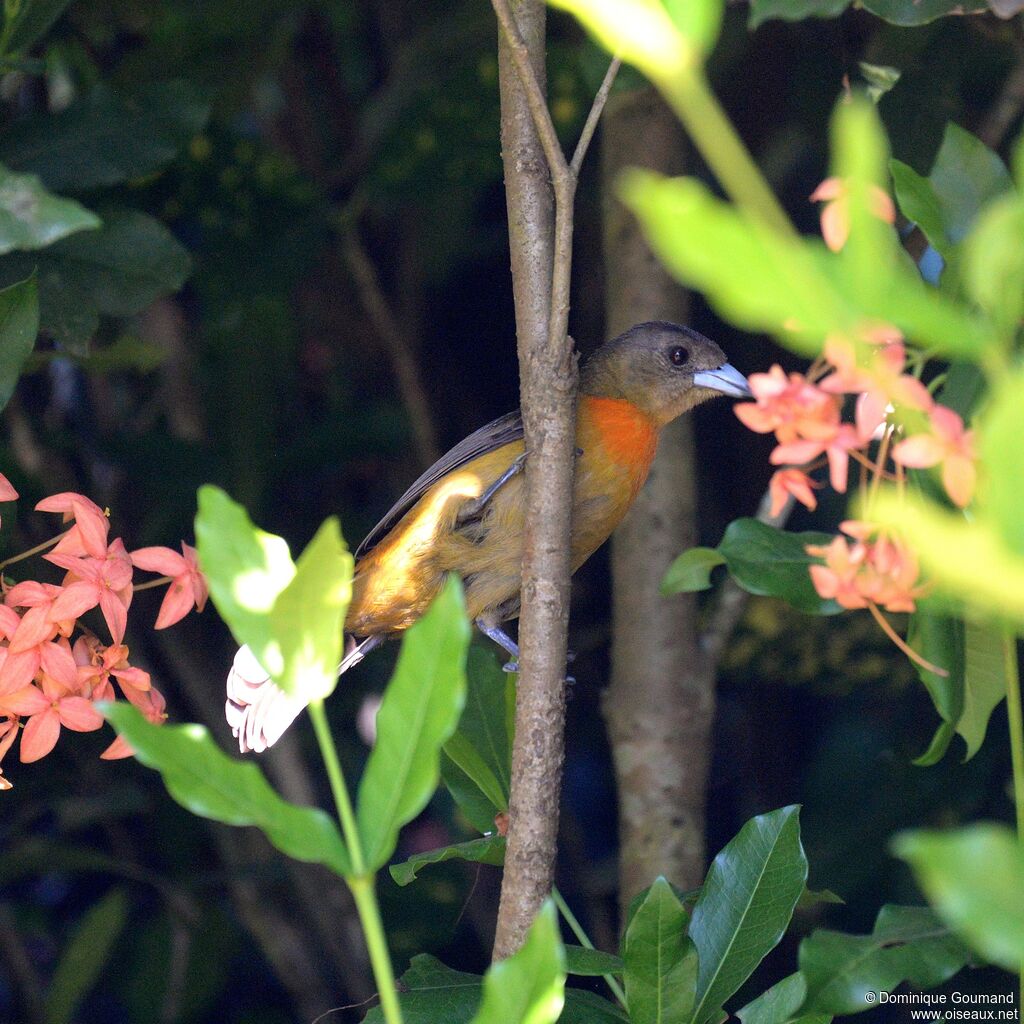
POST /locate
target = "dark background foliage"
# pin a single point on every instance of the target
(333, 173)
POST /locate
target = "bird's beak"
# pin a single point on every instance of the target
(726, 379)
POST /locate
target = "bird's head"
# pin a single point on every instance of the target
(663, 369)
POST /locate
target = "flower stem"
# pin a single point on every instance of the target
(150, 584)
(577, 930)
(361, 882)
(901, 643)
(32, 551)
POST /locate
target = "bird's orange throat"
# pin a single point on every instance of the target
(628, 435)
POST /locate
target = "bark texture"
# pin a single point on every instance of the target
(547, 387)
(659, 707)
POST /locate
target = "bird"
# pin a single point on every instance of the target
(464, 514)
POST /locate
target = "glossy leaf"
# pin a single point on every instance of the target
(939, 638)
(205, 781)
(591, 963)
(984, 682)
(920, 12)
(485, 850)
(529, 986)
(641, 32)
(478, 810)
(965, 176)
(772, 562)
(116, 270)
(307, 620)
(794, 10)
(86, 955)
(974, 878)
(104, 139)
(691, 571)
(660, 962)
(907, 944)
(482, 745)
(420, 710)
(19, 326)
(778, 1004)
(33, 218)
(745, 905)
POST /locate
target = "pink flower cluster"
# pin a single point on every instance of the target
(47, 681)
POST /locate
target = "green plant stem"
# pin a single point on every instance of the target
(1015, 714)
(584, 939)
(362, 883)
(691, 97)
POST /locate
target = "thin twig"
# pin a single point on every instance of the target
(596, 109)
(378, 310)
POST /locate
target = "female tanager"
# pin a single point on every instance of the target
(465, 513)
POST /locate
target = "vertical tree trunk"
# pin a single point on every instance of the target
(660, 704)
(540, 244)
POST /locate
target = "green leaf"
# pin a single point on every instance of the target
(939, 638)
(246, 567)
(19, 325)
(965, 176)
(420, 710)
(528, 987)
(778, 1004)
(920, 12)
(641, 32)
(974, 877)
(117, 270)
(432, 993)
(591, 963)
(105, 139)
(907, 944)
(31, 23)
(482, 745)
(485, 850)
(984, 682)
(691, 571)
(478, 810)
(660, 962)
(794, 10)
(308, 617)
(33, 218)
(771, 562)
(205, 781)
(880, 79)
(745, 905)
(86, 955)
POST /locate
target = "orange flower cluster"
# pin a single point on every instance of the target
(865, 572)
(46, 681)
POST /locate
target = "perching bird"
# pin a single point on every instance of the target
(465, 513)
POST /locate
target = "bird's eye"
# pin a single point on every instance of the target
(679, 356)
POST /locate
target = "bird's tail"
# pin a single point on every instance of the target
(258, 710)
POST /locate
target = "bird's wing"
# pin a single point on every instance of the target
(499, 432)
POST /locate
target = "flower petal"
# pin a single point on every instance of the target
(161, 560)
(7, 491)
(40, 736)
(918, 452)
(177, 602)
(78, 714)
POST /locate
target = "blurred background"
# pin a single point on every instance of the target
(330, 310)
